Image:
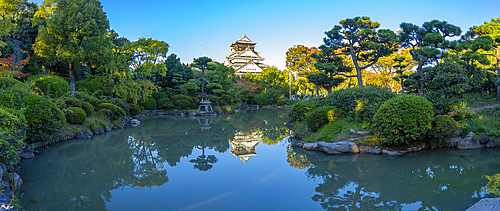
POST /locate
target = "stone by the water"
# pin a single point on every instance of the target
(469, 143)
(484, 139)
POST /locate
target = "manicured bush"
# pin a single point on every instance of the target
(116, 112)
(149, 104)
(73, 102)
(7, 82)
(237, 100)
(163, 103)
(58, 86)
(442, 127)
(442, 104)
(159, 95)
(89, 87)
(228, 99)
(216, 101)
(75, 115)
(357, 102)
(299, 110)
(403, 120)
(43, 118)
(261, 100)
(180, 97)
(135, 109)
(12, 133)
(183, 103)
(88, 108)
(319, 117)
(10, 99)
(121, 103)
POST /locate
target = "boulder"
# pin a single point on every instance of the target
(376, 151)
(338, 147)
(83, 135)
(364, 147)
(471, 134)
(119, 127)
(16, 181)
(135, 122)
(107, 129)
(6, 204)
(5, 188)
(484, 139)
(27, 153)
(469, 143)
(493, 143)
(95, 132)
(352, 131)
(101, 130)
(391, 153)
(450, 142)
(310, 146)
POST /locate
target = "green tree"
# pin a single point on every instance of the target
(149, 56)
(425, 42)
(359, 39)
(177, 74)
(76, 33)
(221, 75)
(202, 64)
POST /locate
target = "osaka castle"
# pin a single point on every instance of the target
(243, 57)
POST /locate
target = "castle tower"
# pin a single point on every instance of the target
(243, 57)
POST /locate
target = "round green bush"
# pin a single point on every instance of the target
(159, 95)
(180, 97)
(121, 103)
(116, 112)
(58, 86)
(12, 133)
(319, 117)
(89, 87)
(135, 109)
(149, 104)
(163, 103)
(75, 115)
(215, 101)
(403, 120)
(183, 103)
(299, 110)
(7, 82)
(228, 99)
(44, 119)
(88, 108)
(357, 103)
(442, 127)
(73, 102)
(10, 99)
(237, 100)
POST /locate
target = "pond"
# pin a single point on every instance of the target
(245, 161)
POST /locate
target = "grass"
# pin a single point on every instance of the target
(475, 100)
(334, 131)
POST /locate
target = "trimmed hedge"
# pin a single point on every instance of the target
(88, 108)
(299, 110)
(10, 99)
(159, 95)
(73, 102)
(75, 115)
(135, 109)
(43, 118)
(116, 112)
(228, 99)
(320, 117)
(58, 86)
(442, 127)
(403, 120)
(180, 97)
(164, 103)
(149, 104)
(12, 133)
(183, 103)
(7, 82)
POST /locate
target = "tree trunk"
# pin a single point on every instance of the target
(72, 83)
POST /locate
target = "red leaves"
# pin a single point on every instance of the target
(11, 67)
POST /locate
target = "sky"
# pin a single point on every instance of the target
(196, 28)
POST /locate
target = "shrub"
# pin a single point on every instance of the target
(89, 87)
(135, 109)
(442, 104)
(299, 110)
(163, 103)
(226, 98)
(227, 109)
(12, 132)
(73, 102)
(7, 82)
(180, 97)
(115, 111)
(149, 104)
(88, 108)
(121, 103)
(183, 104)
(261, 100)
(319, 117)
(357, 102)
(442, 127)
(237, 100)
(10, 99)
(403, 120)
(216, 101)
(58, 86)
(75, 115)
(159, 95)
(43, 118)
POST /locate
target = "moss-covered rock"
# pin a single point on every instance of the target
(75, 115)
(403, 120)
(88, 108)
(50, 85)
(116, 112)
(44, 119)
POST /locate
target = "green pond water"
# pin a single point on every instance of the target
(245, 161)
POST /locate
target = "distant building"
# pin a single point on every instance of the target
(243, 57)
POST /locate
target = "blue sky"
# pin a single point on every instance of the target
(275, 25)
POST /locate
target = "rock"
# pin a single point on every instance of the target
(310, 146)
(364, 147)
(107, 129)
(114, 127)
(364, 132)
(83, 135)
(391, 153)
(486, 204)
(95, 132)
(6, 204)
(90, 133)
(376, 151)
(16, 181)
(101, 130)
(471, 134)
(119, 127)
(5, 187)
(352, 131)
(451, 142)
(484, 139)
(493, 143)
(469, 143)
(338, 147)
(300, 144)
(135, 122)
(141, 115)
(27, 153)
